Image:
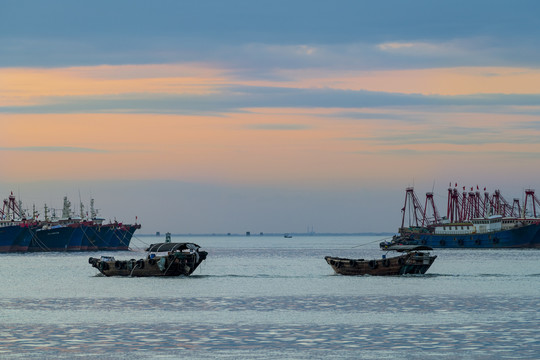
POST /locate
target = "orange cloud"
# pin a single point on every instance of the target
(441, 81)
(306, 147)
(27, 86)
(176, 147)
(32, 86)
(309, 147)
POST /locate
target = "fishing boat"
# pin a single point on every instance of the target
(473, 220)
(71, 232)
(14, 236)
(163, 259)
(415, 259)
(15, 233)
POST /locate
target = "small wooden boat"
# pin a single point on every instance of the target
(414, 260)
(163, 259)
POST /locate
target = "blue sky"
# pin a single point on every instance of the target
(59, 33)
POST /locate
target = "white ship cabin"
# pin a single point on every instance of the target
(455, 228)
(480, 225)
(9, 222)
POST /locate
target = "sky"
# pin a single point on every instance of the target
(266, 116)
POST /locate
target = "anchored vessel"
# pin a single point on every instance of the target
(21, 233)
(163, 259)
(473, 220)
(14, 236)
(414, 260)
(14, 230)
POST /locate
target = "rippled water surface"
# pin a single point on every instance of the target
(264, 297)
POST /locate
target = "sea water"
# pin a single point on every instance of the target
(267, 297)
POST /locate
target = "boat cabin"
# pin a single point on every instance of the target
(172, 247)
(490, 224)
(455, 228)
(478, 225)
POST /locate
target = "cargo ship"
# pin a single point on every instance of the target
(67, 233)
(473, 220)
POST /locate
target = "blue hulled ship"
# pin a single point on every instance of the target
(14, 236)
(51, 238)
(473, 220)
(471, 234)
(15, 231)
(68, 233)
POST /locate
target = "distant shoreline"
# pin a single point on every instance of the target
(277, 234)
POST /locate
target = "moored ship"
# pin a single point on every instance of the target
(473, 220)
(68, 233)
(14, 236)
(15, 231)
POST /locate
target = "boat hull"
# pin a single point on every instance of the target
(520, 237)
(73, 237)
(13, 238)
(411, 263)
(171, 265)
(100, 237)
(121, 236)
(22, 241)
(75, 242)
(55, 239)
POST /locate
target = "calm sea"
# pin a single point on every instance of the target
(267, 297)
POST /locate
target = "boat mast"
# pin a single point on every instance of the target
(66, 210)
(11, 210)
(529, 193)
(412, 207)
(452, 209)
(82, 209)
(516, 209)
(485, 204)
(93, 212)
(46, 211)
(430, 202)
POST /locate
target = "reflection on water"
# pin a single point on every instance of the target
(496, 340)
(354, 304)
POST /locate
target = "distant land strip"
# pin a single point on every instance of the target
(277, 234)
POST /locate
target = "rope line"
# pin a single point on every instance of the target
(371, 242)
(35, 240)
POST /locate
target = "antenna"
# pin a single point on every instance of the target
(81, 206)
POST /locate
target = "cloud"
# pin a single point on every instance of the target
(260, 59)
(239, 98)
(395, 46)
(459, 153)
(441, 132)
(278, 127)
(66, 149)
(243, 34)
(531, 125)
(383, 115)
